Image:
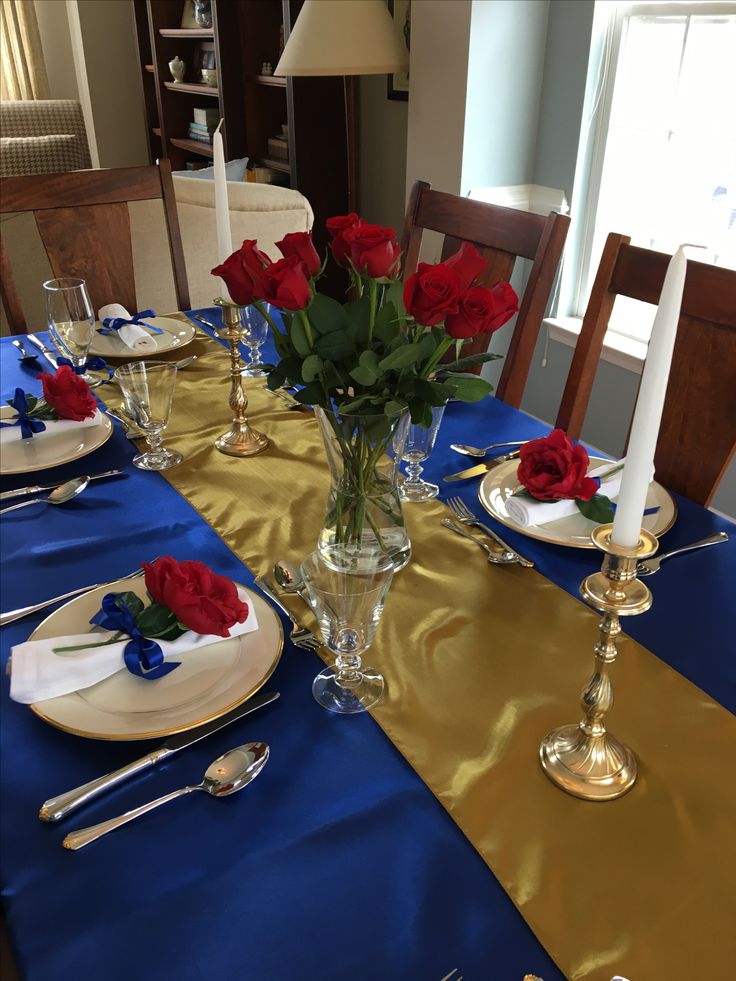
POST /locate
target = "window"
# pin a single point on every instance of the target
(663, 167)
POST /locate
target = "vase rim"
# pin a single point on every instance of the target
(363, 415)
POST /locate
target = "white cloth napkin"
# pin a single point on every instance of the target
(37, 673)
(527, 511)
(12, 434)
(133, 336)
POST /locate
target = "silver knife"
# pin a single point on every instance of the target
(201, 320)
(23, 491)
(58, 807)
(481, 468)
(46, 351)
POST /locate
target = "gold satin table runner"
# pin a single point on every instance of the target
(480, 662)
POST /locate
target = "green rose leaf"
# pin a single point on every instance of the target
(599, 509)
(402, 357)
(275, 379)
(157, 621)
(358, 316)
(385, 327)
(311, 394)
(334, 346)
(393, 407)
(311, 368)
(326, 315)
(436, 393)
(395, 296)
(470, 362)
(299, 338)
(134, 603)
(281, 343)
(470, 388)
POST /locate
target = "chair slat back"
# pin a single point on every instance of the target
(697, 438)
(502, 235)
(84, 224)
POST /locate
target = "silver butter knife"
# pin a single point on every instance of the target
(201, 320)
(480, 468)
(24, 491)
(58, 807)
(45, 350)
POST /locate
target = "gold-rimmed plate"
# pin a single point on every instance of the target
(209, 682)
(41, 453)
(176, 334)
(500, 483)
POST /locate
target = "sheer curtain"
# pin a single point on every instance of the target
(23, 74)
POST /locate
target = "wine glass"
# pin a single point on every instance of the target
(255, 329)
(148, 390)
(419, 444)
(71, 321)
(347, 597)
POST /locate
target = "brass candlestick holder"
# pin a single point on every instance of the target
(584, 759)
(241, 439)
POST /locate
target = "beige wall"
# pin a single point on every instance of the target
(382, 153)
(53, 26)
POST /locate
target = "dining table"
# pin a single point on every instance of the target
(343, 860)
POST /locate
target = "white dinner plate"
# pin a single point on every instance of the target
(500, 483)
(27, 455)
(176, 334)
(209, 681)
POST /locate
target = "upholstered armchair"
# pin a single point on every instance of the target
(44, 136)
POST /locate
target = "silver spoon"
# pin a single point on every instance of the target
(481, 450)
(229, 773)
(24, 355)
(60, 495)
(493, 557)
(290, 580)
(649, 566)
(185, 362)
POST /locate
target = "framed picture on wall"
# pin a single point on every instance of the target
(398, 82)
(204, 56)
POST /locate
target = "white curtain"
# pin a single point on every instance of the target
(22, 68)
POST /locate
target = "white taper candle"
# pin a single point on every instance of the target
(222, 211)
(649, 405)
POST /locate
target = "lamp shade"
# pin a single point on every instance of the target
(343, 37)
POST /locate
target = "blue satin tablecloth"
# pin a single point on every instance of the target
(338, 862)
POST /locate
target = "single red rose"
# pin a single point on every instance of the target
(467, 264)
(482, 310)
(68, 394)
(431, 294)
(242, 272)
(286, 284)
(301, 245)
(554, 469)
(374, 250)
(198, 597)
(337, 227)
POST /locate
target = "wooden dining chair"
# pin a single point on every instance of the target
(84, 224)
(697, 437)
(502, 235)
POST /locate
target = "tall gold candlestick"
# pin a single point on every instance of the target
(586, 760)
(241, 439)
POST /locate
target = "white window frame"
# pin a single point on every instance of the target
(619, 348)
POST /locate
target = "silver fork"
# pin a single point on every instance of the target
(299, 636)
(466, 517)
(649, 566)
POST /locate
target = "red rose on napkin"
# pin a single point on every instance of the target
(285, 284)
(482, 310)
(374, 250)
(467, 264)
(199, 598)
(337, 227)
(243, 272)
(553, 469)
(68, 394)
(301, 245)
(431, 294)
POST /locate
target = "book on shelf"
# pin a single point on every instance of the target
(201, 128)
(199, 137)
(207, 117)
(278, 147)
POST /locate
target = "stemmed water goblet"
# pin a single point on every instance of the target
(419, 444)
(255, 330)
(347, 595)
(148, 390)
(71, 322)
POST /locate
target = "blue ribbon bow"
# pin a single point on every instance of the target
(614, 505)
(28, 426)
(111, 324)
(143, 657)
(91, 364)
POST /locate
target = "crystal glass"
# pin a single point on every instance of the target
(255, 329)
(347, 596)
(148, 390)
(71, 321)
(417, 448)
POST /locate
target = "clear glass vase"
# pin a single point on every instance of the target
(364, 512)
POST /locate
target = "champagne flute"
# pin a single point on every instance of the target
(419, 444)
(255, 330)
(148, 390)
(347, 596)
(71, 322)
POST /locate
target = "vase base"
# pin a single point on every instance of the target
(343, 700)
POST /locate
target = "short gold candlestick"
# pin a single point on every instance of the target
(241, 439)
(585, 760)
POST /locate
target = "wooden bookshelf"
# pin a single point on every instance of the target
(192, 146)
(193, 88)
(277, 81)
(187, 32)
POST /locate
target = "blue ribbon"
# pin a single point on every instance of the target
(614, 505)
(111, 324)
(143, 657)
(91, 364)
(28, 426)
